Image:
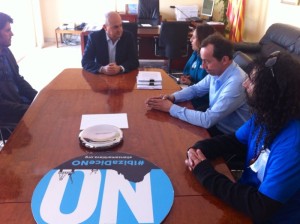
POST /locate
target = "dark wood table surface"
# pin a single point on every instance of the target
(47, 136)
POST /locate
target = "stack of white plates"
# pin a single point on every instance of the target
(100, 137)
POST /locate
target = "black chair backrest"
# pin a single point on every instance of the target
(173, 38)
(243, 60)
(148, 12)
(131, 27)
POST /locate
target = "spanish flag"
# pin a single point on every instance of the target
(235, 14)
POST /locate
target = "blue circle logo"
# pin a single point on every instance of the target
(104, 187)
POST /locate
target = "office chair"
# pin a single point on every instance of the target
(148, 12)
(133, 28)
(5, 130)
(243, 60)
(173, 41)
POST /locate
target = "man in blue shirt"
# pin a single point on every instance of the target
(269, 189)
(227, 100)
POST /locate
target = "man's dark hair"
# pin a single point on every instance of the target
(222, 46)
(4, 18)
(276, 95)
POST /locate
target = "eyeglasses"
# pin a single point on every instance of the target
(272, 59)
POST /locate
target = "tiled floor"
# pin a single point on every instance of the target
(42, 65)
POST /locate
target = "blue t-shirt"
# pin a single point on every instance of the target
(194, 69)
(281, 177)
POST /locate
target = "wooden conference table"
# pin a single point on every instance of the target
(47, 136)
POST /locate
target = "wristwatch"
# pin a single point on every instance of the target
(122, 69)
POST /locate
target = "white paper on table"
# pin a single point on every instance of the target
(149, 87)
(119, 120)
(146, 76)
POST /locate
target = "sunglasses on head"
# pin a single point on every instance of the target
(271, 61)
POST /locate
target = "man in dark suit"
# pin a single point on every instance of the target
(111, 50)
(16, 94)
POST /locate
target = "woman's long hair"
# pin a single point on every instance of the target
(276, 95)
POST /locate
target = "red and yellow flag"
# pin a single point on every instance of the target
(235, 14)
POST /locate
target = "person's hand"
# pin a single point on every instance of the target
(194, 157)
(168, 97)
(185, 79)
(111, 69)
(162, 103)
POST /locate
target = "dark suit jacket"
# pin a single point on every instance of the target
(13, 92)
(96, 52)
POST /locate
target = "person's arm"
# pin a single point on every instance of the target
(242, 197)
(12, 109)
(197, 90)
(228, 100)
(279, 185)
(162, 103)
(88, 61)
(221, 146)
(205, 119)
(25, 88)
(246, 199)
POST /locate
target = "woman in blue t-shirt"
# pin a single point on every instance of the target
(268, 144)
(193, 72)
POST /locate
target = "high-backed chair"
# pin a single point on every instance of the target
(243, 60)
(148, 12)
(278, 37)
(133, 28)
(173, 41)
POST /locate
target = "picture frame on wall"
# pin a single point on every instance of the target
(291, 2)
(131, 8)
